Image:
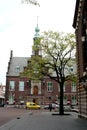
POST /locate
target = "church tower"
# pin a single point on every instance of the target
(36, 89)
(36, 50)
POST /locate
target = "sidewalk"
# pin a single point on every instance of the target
(47, 121)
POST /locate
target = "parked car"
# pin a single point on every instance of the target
(54, 105)
(67, 107)
(10, 102)
(1, 104)
(32, 105)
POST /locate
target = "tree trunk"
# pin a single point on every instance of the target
(61, 108)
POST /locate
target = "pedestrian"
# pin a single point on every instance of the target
(50, 106)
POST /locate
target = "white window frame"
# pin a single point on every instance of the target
(74, 100)
(65, 99)
(21, 85)
(73, 87)
(50, 86)
(12, 85)
(64, 88)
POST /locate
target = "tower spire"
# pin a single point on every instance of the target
(37, 20)
(37, 30)
(36, 49)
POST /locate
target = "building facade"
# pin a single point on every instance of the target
(80, 25)
(2, 94)
(21, 89)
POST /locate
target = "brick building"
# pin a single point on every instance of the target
(2, 94)
(80, 25)
(21, 89)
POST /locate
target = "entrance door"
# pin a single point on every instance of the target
(35, 90)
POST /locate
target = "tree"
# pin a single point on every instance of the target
(58, 56)
(34, 2)
(59, 53)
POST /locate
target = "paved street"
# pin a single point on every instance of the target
(44, 120)
(9, 113)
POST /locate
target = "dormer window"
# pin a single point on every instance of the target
(17, 67)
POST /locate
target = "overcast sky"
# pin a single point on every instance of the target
(18, 22)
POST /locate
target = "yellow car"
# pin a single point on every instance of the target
(32, 105)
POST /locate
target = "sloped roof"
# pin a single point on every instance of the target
(16, 65)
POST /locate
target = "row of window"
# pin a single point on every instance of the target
(49, 86)
(12, 85)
